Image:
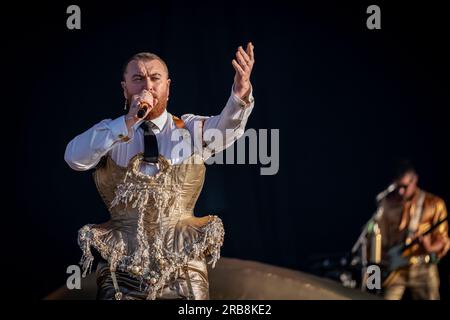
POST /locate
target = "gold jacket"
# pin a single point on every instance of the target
(396, 218)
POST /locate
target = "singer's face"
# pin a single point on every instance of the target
(151, 76)
(407, 185)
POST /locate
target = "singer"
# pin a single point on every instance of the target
(408, 212)
(153, 247)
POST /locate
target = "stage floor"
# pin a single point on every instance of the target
(247, 280)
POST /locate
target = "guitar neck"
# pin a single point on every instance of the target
(407, 246)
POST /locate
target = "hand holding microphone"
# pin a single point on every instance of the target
(146, 102)
(141, 105)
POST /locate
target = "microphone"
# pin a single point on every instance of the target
(143, 107)
(383, 194)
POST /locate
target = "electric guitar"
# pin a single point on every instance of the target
(396, 255)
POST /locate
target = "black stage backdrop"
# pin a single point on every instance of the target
(347, 101)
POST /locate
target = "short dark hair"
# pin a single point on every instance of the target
(144, 56)
(402, 167)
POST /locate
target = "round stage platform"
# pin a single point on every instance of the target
(247, 280)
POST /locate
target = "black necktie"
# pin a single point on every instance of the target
(150, 143)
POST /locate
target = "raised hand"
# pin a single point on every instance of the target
(243, 64)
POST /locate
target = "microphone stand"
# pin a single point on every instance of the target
(361, 244)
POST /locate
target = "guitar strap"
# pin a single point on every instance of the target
(417, 215)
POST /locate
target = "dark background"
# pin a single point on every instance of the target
(347, 101)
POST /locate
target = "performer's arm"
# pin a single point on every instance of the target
(86, 149)
(232, 120)
(438, 242)
(442, 230)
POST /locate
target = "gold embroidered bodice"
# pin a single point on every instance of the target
(152, 232)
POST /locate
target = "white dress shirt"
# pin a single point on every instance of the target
(112, 137)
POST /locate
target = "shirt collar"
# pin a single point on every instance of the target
(160, 121)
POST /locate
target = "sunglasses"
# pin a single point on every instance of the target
(404, 185)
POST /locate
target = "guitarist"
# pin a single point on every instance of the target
(409, 212)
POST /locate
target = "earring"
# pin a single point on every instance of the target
(126, 104)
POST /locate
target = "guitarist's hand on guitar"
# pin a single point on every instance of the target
(434, 246)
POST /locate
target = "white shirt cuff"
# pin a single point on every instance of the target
(119, 129)
(241, 102)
